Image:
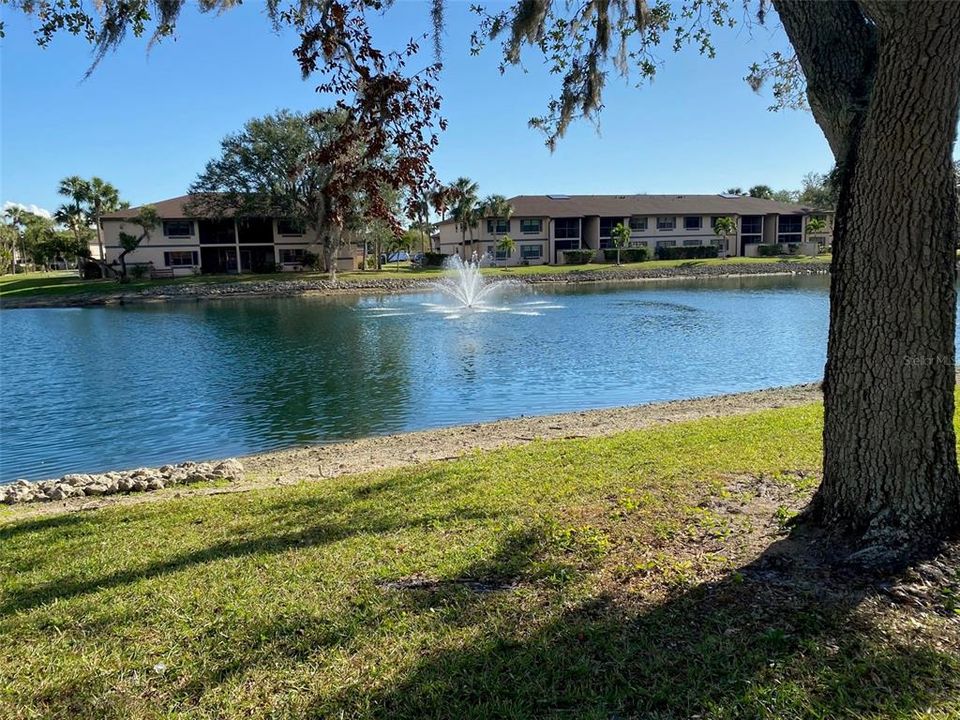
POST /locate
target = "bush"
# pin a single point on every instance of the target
(311, 260)
(432, 259)
(139, 272)
(578, 257)
(629, 254)
(687, 253)
(768, 250)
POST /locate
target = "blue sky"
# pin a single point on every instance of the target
(149, 121)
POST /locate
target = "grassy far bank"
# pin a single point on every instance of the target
(65, 284)
(646, 574)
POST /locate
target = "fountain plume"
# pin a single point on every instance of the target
(466, 284)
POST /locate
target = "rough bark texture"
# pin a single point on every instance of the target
(886, 94)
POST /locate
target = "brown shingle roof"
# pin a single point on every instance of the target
(577, 206)
(171, 209)
(625, 205)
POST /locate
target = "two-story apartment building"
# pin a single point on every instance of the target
(544, 226)
(184, 244)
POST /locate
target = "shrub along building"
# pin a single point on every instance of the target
(184, 244)
(555, 229)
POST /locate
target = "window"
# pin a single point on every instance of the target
(562, 245)
(692, 222)
(531, 226)
(638, 223)
(750, 239)
(566, 229)
(255, 231)
(290, 227)
(531, 252)
(292, 256)
(638, 243)
(180, 258)
(691, 242)
(791, 238)
(498, 226)
(751, 224)
(178, 228)
(790, 224)
(607, 224)
(667, 223)
(216, 232)
(667, 243)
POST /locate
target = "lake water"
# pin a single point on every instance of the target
(94, 389)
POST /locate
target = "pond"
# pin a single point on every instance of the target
(94, 389)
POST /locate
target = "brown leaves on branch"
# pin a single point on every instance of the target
(392, 111)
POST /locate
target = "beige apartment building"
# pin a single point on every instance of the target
(544, 226)
(184, 245)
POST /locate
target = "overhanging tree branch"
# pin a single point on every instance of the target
(836, 47)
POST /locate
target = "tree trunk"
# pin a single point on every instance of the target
(890, 465)
(103, 256)
(330, 258)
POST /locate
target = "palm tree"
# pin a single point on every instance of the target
(17, 218)
(620, 235)
(722, 227)
(440, 200)
(73, 214)
(464, 210)
(75, 188)
(101, 197)
(74, 219)
(505, 245)
(816, 225)
(496, 207)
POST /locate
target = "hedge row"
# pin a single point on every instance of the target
(630, 254)
(578, 257)
(687, 253)
(432, 259)
(768, 250)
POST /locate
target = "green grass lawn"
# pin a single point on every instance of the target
(66, 283)
(644, 575)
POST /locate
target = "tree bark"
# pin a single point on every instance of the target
(886, 94)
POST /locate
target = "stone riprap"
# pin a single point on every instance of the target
(277, 286)
(127, 481)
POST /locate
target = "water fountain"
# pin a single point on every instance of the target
(471, 294)
(467, 286)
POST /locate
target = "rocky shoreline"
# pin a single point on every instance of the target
(323, 463)
(275, 286)
(113, 483)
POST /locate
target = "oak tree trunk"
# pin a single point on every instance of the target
(886, 93)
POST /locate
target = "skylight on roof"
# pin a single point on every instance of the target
(729, 196)
(559, 197)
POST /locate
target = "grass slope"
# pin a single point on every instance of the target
(67, 284)
(647, 574)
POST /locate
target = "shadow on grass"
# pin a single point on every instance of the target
(780, 637)
(322, 520)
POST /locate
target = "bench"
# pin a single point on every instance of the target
(159, 274)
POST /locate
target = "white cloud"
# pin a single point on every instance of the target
(35, 209)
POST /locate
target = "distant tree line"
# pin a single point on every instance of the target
(818, 189)
(42, 241)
